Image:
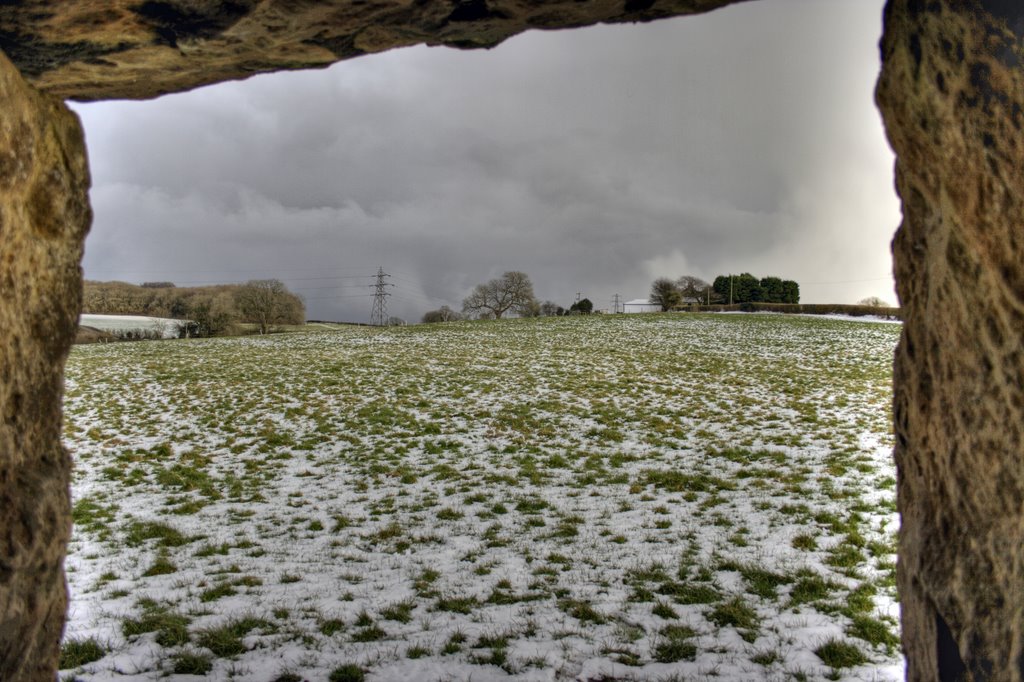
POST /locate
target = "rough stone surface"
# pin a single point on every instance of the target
(44, 215)
(85, 50)
(952, 95)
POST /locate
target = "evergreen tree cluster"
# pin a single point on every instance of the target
(746, 288)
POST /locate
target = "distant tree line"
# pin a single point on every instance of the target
(687, 290)
(512, 293)
(210, 310)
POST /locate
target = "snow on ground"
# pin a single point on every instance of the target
(830, 316)
(667, 497)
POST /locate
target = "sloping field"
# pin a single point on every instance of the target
(669, 497)
(162, 326)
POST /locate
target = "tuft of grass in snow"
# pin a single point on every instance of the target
(734, 613)
(349, 672)
(171, 628)
(189, 662)
(839, 654)
(874, 631)
(674, 644)
(138, 532)
(78, 652)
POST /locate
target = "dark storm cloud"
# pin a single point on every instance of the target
(594, 160)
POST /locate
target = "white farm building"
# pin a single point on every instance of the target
(640, 305)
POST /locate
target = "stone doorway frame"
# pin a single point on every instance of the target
(951, 94)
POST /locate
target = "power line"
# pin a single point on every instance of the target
(850, 281)
(334, 298)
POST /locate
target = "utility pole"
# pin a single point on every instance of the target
(730, 289)
(615, 303)
(379, 316)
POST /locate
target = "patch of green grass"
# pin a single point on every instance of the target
(762, 582)
(531, 505)
(222, 642)
(185, 477)
(161, 566)
(623, 655)
(454, 643)
(347, 673)
(811, 587)
(191, 663)
(805, 541)
(860, 600)
(93, 516)
(400, 612)
(456, 604)
(171, 628)
(690, 593)
(449, 514)
(874, 632)
(138, 532)
(735, 613)
(582, 610)
(331, 626)
(846, 555)
(371, 633)
(673, 644)
(226, 640)
(675, 481)
(423, 583)
(216, 592)
(77, 652)
(839, 654)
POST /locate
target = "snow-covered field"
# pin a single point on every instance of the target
(664, 497)
(164, 326)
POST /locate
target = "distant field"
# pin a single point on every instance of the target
(666, 497)
(165, 326)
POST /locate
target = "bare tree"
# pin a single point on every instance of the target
(873, 302)
(551, 309)
(665, 293)
(442, 314)
(267, 303)
(693, 287)
(512, 291)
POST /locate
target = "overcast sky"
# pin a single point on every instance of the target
(594, 160)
